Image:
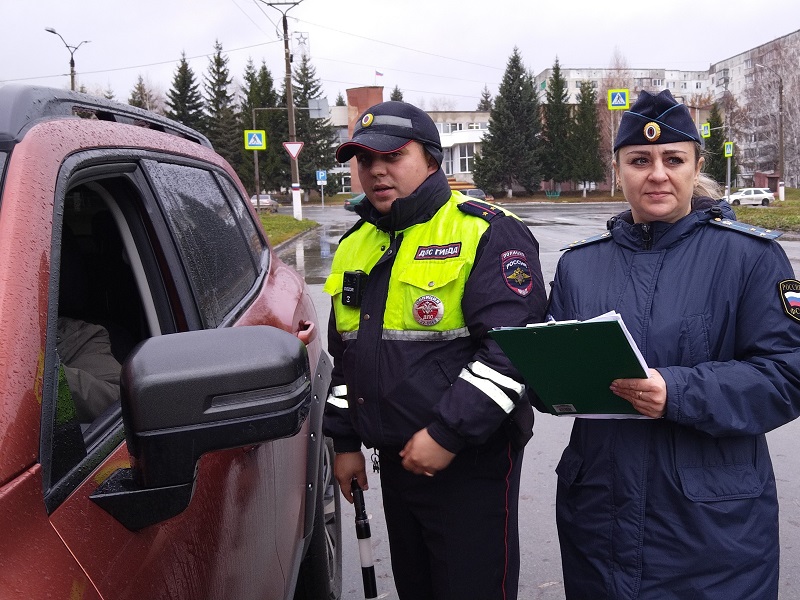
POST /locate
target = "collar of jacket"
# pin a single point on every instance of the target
(663, 235)
(418, 207)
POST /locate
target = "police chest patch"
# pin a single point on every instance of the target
(790, 296)
(438, 252)
(516, 272)
(428, 310)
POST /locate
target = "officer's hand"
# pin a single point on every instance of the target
(648, 396)
(422, 455)
(347, 465)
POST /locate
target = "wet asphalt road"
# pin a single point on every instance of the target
(553, 225)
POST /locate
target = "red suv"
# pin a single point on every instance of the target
(161, 377)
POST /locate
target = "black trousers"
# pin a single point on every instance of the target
(455, 536)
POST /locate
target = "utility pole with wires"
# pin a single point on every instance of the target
(296, 207)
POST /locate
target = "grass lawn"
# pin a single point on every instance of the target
(783, 216)
(280, 228)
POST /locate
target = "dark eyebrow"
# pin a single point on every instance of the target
(649, 152)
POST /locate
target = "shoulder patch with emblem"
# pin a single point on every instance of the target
(790, 296)
(759, 232)
(476, 208)
(606, 235)
(516, 272)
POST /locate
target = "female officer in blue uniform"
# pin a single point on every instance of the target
(682, 505)
(416, 285)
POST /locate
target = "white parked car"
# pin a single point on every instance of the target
(267, 202)
(757, 196)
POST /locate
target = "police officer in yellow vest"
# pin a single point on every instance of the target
(416, 285)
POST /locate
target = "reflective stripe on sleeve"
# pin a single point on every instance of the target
(338, 397)
(505, 382)
(489, 388)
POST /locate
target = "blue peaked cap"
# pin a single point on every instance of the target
(656, 119)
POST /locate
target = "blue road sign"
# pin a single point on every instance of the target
(255, 139)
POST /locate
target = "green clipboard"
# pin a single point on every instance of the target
(571, 364)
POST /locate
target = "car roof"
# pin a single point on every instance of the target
(22, 106)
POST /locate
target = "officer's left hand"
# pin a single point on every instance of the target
(648, 396)
(422, 455)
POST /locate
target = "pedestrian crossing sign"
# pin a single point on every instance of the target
(618, 100)
(255, 139)
(705, 130)
(728, 149)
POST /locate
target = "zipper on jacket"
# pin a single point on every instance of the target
(647, 239)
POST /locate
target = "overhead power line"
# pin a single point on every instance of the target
(363, 37)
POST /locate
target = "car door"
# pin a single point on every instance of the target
(195, 260)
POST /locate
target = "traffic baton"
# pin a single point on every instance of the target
(364, 542)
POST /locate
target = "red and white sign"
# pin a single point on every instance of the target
(293, 148)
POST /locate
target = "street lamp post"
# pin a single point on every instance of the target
(780, 120)
(295, 168)
(72, 50)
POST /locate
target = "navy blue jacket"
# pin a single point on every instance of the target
(684, 506)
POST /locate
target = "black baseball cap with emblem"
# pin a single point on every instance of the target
(388, 126)
(656, 119)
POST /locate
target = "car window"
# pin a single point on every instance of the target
(100, 308)
(254, 240)
(215, 252)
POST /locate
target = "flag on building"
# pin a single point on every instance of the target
(378, 73)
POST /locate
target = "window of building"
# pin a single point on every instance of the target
(657, 82)
(466, 157)
(447, 161)
(683, 85)
(748, 64)
(698, 85)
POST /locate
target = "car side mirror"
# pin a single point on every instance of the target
(189, 393)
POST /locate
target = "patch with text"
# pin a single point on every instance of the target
(428, 310)
(438, 252)
(790, 296)
(516, 272)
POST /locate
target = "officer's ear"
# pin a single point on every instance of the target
(433, 166)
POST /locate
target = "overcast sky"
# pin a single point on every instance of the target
(431, 49)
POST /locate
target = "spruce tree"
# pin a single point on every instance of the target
(340, 100)
(510, 150)
(716, 165)
(397, 94)
(556, 129)
(222, 126)
(485, 103)
(585, 155)
(141, 96)
(318, 135)
(184, 102)
(258, 92)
